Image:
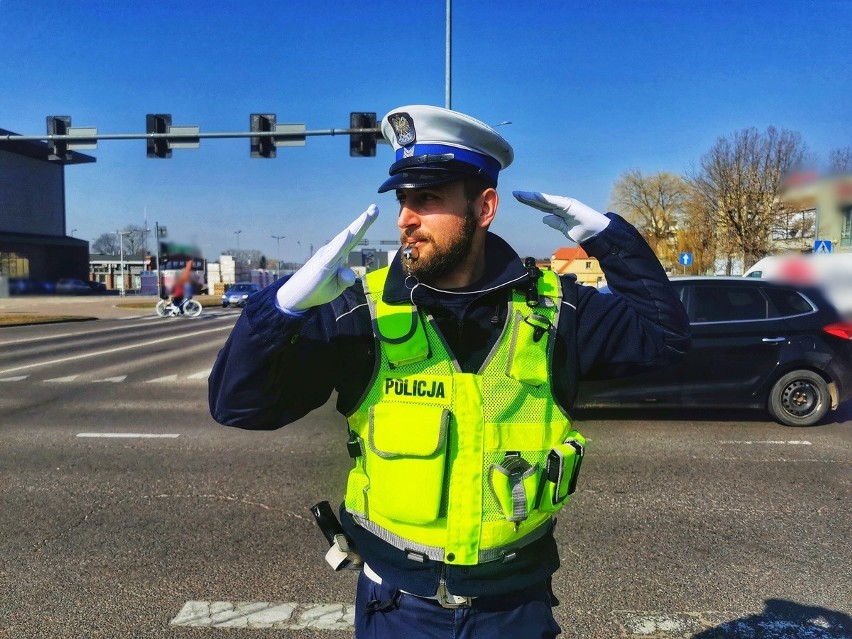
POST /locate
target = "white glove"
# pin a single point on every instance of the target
(326, 275)
(572, 218)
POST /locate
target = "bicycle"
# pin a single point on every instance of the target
(189, 308)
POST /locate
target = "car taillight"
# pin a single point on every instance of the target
(843, 330)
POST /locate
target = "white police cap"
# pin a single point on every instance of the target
(435, 146)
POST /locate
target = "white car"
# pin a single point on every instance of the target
(831, 272)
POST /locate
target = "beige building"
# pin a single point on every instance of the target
(823, 206)
(575, 260)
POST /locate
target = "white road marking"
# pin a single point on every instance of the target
(260, 614)
(69, 378)
(770, 442)
(131, 435)
(13, 379)
(167, 378)
(200, 375)
(114, 350)
(634, 623)
(656, 625)
(673, 625)
(100, 331)
(112, 380)
(44, 338)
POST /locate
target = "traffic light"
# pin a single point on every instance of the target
(263, 147)
(362, 144)
(158, 123)
(58, 125)
(164, 253)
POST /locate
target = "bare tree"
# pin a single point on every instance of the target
(106, 244)
(654, 204)
(741, 177)
(134, 239)
(697, 232)
(840, 160)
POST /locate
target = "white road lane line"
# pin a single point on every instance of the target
(117, 349)
(69, 378)
(99, 331)
(131, 435)
(167, 378)
(261, 614)
(201, 375)
(111, 380)
(769, 442)
(14, 379)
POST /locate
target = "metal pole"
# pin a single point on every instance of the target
(159, 279)
(121, 262)
(448, 89)
(278, 239)
(12, 137)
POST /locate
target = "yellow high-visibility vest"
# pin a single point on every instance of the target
(463, 468)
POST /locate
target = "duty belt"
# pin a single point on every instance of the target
(421, 552)
(443, 596)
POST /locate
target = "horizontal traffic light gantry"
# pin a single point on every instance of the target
(161, 136)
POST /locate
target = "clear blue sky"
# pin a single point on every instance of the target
(591, 89)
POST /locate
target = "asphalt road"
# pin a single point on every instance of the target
(127, 512)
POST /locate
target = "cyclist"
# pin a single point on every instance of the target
(182, 290)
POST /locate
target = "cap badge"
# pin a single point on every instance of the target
(403, 126)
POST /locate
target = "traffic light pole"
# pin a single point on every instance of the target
(90, 138)
(162, 137)
(159, 276)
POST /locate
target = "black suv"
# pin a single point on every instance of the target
(755, 344)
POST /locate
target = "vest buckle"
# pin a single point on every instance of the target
(540, 325)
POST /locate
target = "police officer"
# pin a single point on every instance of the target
(456, 368)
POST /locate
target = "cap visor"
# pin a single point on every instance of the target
(420, 179)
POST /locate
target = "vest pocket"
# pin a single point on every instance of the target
(405, 461)
(562, 469)
(527, 361)
(513, 483)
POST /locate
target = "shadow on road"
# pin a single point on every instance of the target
(781, 619)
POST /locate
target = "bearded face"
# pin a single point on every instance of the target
(438, 256)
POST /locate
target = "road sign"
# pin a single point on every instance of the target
(822, 246)
(685, 259)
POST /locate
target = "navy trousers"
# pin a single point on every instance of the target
(383, 612)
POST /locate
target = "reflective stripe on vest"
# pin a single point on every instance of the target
(461, 467)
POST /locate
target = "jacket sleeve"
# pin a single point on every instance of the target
(274, 367)
(642, 324)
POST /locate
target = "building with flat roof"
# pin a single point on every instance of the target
(34, 243)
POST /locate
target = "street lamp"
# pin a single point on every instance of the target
(72, 232)
(278, 239)
(121, 235)
(237, 233)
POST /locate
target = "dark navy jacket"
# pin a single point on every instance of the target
(275, 368)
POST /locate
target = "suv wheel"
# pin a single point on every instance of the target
(799, 398)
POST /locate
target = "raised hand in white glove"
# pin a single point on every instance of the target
(570, 217)
(326, 275)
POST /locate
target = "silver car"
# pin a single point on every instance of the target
(238, 293)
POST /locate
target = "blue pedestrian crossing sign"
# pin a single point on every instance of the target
(822, 246)
(685, 259)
